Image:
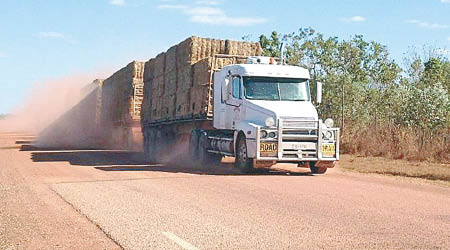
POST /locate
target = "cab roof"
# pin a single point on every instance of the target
(268, 70)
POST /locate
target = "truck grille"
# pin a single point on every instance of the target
(299, 129)
(301, 122)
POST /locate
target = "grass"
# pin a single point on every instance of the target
(384, 166)
(396, 142)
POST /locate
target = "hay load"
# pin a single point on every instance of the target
(122, 95)
(177, 82)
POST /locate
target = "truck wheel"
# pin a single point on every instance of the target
(193, 145)
(206, 158)
(316, 170)
(148, 146)
(242, 162)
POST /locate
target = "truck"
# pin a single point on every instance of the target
(231, 101)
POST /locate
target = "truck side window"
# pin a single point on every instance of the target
(236, 88)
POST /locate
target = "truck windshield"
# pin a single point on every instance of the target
(276, 89)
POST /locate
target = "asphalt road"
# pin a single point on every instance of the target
(93, 199)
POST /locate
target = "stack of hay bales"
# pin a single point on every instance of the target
(121, 105)
(177, 82)
(98, 103)
(122, 95)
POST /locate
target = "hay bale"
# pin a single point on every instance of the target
(202, 69)
(171, 59)
(184, 78)
(183, 104)
(149, 70)
(195, 49)
(147, 102)
(160, 65)
(202, 72)
(242, 48)
(170, 82)
(168, 107)
(199, 100)
(158, 87)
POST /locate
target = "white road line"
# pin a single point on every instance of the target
(182, 243)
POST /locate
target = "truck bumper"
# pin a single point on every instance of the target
(298, 148)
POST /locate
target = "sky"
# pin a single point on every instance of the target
(43, 40)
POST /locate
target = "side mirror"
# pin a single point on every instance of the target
(319, 93)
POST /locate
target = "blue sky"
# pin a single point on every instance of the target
(47, 39)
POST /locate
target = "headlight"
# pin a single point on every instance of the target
(263, 134)
(273, 134)
(329, 122)
(270, 122)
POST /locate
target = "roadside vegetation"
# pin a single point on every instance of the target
(380, 165)
(383, 108)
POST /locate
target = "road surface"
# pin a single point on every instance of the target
(98, 199)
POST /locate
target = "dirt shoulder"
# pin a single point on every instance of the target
(32, 216)
(384, 166)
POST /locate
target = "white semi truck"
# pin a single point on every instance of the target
(261, 114)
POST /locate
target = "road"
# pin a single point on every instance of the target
(98, 199)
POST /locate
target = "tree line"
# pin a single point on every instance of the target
(382, 108)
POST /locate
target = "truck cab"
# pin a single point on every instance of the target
(265, 114)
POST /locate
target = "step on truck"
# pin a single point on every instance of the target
(233, 102)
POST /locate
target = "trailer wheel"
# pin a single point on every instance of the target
(149, 146)
(242, 162)
(316, 170)
(193, 145)
(205, 158)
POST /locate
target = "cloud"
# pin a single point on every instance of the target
(2, 55)
(448, 38)
(208, 2)
(205, 11)
(225, 20)
(355, 19)
(54, 35)
(172, 6)
(117, 2)
(49, 34)
(212, 15)
(445, 1)
(427, 25)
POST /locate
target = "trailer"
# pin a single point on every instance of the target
(119, 108)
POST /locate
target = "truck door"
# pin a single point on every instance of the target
(234, 104)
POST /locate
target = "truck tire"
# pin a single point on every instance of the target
(151, 146)
(146, 145)
(193, 145)
(242, 162)
(205, 158)
(316, 170)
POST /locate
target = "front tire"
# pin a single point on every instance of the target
(316, 170)
(242, 161)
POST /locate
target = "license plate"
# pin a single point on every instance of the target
(328, 150)
(268, 147)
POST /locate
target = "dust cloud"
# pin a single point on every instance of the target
(60, 111)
